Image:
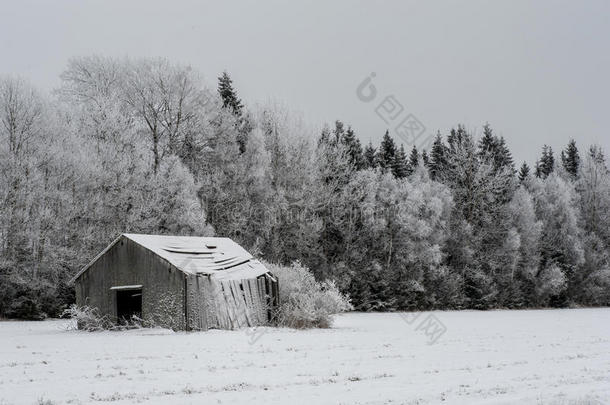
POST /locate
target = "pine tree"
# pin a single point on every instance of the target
(524, 172)
(370, 162)
(400, 168)
(387, 152)
(487, 144)
(354, 149)
(425, 159)
(456, 138)
(503, 158)
(438, 164)
(493, 150)
(546, 164)
(228, 93)
(413, 160)
(232, 101)
(571, 159)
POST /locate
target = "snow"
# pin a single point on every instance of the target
(495, 357)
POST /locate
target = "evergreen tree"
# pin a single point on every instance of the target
(400, 168)
(413, 160)
(354, 149)
(438, 164)
(503, 158)
(228, 93)
(425, 159)
(456, 138)
(232, 101)
(570, 159)
(546, 164)
(487, 144)
(524, 172)
(387, 152)
(493, 150)
(370, 161)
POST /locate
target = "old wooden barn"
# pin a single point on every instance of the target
(180, 282)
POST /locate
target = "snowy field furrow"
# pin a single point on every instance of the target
(496, 357)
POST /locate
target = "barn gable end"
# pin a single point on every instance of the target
(127, 263)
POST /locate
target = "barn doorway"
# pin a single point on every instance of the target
(128, 304)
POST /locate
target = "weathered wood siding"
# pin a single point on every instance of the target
(230, 304)
(127, 263)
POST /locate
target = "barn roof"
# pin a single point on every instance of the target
(219, 257)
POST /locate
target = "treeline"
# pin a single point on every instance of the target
(144, 146)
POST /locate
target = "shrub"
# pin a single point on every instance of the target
(305, 302)
(87, 318)
(90, 320)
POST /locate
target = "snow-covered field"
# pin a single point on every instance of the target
(497, 357)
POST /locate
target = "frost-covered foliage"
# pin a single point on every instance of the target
(305, 302)
(88, 319)
(143, 145)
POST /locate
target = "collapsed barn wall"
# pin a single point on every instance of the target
(230, 304)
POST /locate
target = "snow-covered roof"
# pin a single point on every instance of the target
(219, 257)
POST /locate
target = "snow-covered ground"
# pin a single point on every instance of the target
(496, 357)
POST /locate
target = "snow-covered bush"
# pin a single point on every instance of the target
(90, 320)
(305, 302)
(87, 318)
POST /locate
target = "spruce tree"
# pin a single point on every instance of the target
(387, 152)
(546, 164)
(456, 138)
(370, 161)
(228, 93)
(487, 144)
(354, 149)
(503, 158)
(493, 150)
(524, 172)
(400, 168)
(571, 159)
(425, 159)
(232, 101)
(413, 160)
(438, 164)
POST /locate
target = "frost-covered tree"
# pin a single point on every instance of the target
(386, 156)
(546, 164)
(438, 160)
(593, 186)
(370, 152)
(524, 172)
(561, 240)
(570, 159)
(400, 168)
(354, 148)
(413, 160)
(527, 230)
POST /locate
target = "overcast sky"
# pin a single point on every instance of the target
(538, 72)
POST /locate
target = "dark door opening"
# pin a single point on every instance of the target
(128, 304)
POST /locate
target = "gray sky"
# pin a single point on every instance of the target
(538, 72)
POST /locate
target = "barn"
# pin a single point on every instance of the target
(178, 282)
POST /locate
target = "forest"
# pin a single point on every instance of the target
(148, 146)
